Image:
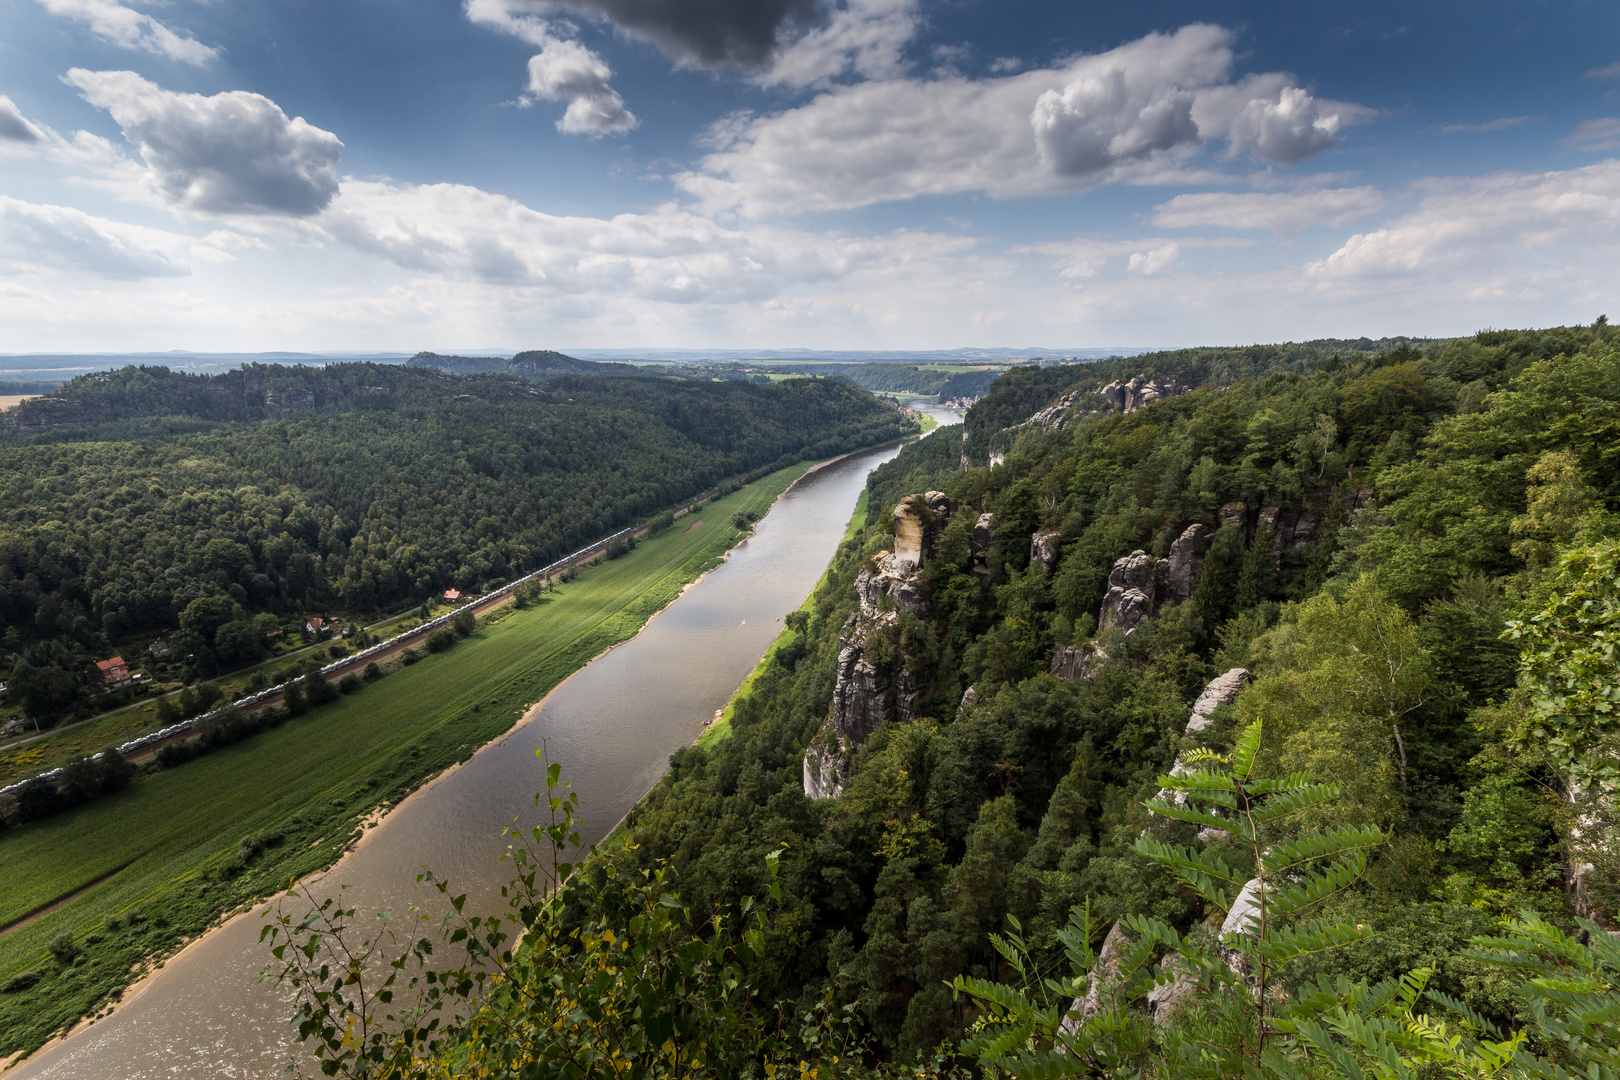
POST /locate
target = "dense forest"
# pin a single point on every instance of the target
(1008, 794)
(216, 509)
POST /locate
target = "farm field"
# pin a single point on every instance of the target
(182, 846)
(55, 747)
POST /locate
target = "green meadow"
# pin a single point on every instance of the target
(145, 869)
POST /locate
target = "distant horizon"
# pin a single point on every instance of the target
(687, 354)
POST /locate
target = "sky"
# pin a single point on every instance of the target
(825, 174)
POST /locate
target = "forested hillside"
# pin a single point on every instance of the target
(989, 682)
(146, 502)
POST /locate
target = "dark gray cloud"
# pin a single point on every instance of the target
(703, 33)
(14, 126)
(232, 153)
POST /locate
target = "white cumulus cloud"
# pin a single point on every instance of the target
(563, 70)
(1501, 225)
(568, 71)
(132, 29)
(232, 153)
(36, 236)
(669, 254)
(867, 37)
(1129, 113)
(1284, 213)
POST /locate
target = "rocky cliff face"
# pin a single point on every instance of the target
(1137, 585)
(1176, 575)
(917, 524)
(870, 692)
(1140, 392)
(1132, 587)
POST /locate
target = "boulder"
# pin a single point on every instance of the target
(1043, 548)
(1130, 593)
(1177, 573)
(970, 698)
(1235, 514)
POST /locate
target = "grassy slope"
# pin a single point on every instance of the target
(721, 728)
(172, 838)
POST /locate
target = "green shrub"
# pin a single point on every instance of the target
(64, 948)
(440, 640)
(464, 623)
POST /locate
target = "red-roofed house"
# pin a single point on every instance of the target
(114, 672)
(452, 595)
(315, 624)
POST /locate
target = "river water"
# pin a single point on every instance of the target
(613, 726)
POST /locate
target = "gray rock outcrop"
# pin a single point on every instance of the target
(985, 537)
(1177, 981)
(1131, 589)
(869, 692)
(1221, 690)
(917, 524)
(1140, 392)
(1056, 416)
(1044, 547)
(1176, 575)
(1103, 977)
(1082, 662)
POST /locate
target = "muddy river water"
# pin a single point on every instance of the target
(613, 726)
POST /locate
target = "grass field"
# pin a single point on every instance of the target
(120, 725)
(721, 728)
(169, 848)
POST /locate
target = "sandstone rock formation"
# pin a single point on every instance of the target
(917, 523)
(1056, 416)
(1221, 690)
(1140, 392)
(1043, 548)
(1176, 575)
(1131, 590)
(869, 692)
(985, 537)
(1069, 662)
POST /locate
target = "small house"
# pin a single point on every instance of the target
(315, 625)
(114, 672)
(452, 596)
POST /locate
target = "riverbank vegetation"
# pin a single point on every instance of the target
(146, 868)
(211, 517)
(1391, 571)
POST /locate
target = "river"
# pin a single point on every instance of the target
(613, 726)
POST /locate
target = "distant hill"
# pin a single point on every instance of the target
(533, 364)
